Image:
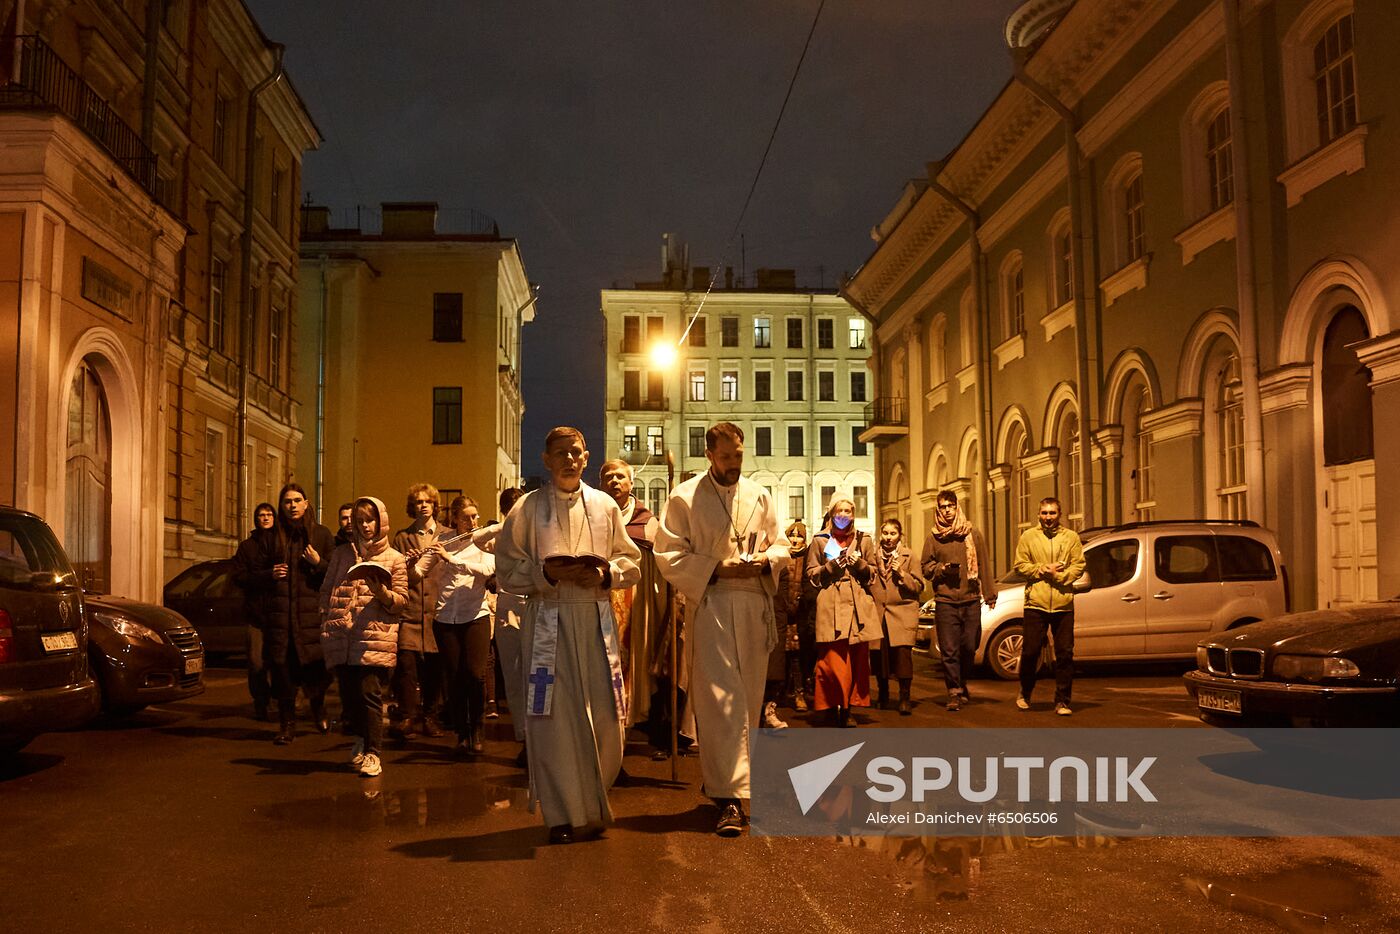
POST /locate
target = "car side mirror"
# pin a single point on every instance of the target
(1084, 584)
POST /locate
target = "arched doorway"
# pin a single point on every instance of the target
(1348, 545)
(88, 472)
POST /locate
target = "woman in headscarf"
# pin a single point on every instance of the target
(896, 586)
(365, 590)
(252, 572)
(839, 564)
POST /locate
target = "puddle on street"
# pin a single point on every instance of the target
(1311, 896)
(370, 806)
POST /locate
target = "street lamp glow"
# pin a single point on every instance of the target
(663, 355)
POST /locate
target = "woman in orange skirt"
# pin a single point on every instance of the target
(839, 565)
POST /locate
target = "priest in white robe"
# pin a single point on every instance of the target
(721, 546)
(576, 708)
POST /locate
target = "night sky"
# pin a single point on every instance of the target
(586, 130)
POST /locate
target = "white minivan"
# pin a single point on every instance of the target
(1155, 590)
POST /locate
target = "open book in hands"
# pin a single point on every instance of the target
(560, 561)
(370, 572)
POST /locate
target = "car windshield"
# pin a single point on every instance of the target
(30, 556)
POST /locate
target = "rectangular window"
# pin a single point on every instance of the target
(697, 386)
(826, 439)
(447, 415)
(857, 445)
(213, 478)
(797, 503)
(860, 496)
(794, 379)
(697, 441)
(697, 332)
(795, 441)
(1016, 288)
(826, 386)
(656, 444)
(826, 334)
(631, 438)
(857, 333)
(656, 392)
(1219, 162)
(857, 385)
(447, 317)
(279, 182)
(762, 386)
(763, 441)
(631, 389)
(274, 346)
(827, 493)
(219, 144)
(1064, 266)
(656, 329)
(631, 334)
(762, 332)
(729, 386)
(1335, 81)
(794, 333)
(729, 332)
(1133, 219)
(218, 279)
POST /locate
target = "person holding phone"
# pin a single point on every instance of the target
(839, 564)
(956, 561)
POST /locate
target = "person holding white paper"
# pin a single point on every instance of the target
(565, 546)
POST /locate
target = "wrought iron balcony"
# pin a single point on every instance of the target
(886, 417)
(47, 83)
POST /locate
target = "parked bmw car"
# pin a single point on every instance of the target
(142, 654)
(44, 679)
(1155, 589)
(1339, 666)
(206, 595)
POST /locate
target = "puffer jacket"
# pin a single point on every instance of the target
(358, 628)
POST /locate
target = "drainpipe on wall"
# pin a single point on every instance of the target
(148, 92)
(982, 389)
(1244, 265)
(245, 286)
(1081, 245)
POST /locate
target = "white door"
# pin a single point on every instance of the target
(1348, 558)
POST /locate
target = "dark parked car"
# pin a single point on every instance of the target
(1324, 667)
(44, 679)
(142, 654)
(206, 595)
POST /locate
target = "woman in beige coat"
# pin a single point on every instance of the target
(364, 592)
(839, 565)
(896, 586)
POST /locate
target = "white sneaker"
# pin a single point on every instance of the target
(370, 767)
(1022, 703)
(1063, 710)
(770, 717)
(357, 754)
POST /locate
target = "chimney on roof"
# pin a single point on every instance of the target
(775, 280)
(407, 219)
(700, 278)
(315, 219)
(729, 277)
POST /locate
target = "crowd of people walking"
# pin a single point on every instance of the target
(574, 595)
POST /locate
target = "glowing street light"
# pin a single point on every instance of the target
(663, 355)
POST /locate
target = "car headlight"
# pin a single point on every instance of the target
(127, 627)
(1202, 658)
(1314, 667)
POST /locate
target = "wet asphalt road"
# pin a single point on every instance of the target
(186, 817)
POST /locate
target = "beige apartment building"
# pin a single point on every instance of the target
(147, 238)
(1157, 279)
(787, 365)
(411, 364)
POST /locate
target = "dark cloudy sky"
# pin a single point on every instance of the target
(587, 129)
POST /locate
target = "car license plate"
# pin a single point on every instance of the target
(194, 664)
(1223, 701)
(59, 641)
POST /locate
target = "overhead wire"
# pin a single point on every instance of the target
(753, 186)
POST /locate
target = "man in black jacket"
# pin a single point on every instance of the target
(957, 563)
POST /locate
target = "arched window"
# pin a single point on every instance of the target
(898, 382)
(1017, 447)
(1142, 501)
(1228, 405)
(1068, 443)
(1135, 237)
(1348, 434)
(972, 469)
(938, 352)
(1061, 260)
(1123, 195)
(1220, 172)
(1320, 93)
(88, 509)
(1334, 81)
(656, 496)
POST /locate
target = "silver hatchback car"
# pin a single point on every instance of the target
(1156, 589)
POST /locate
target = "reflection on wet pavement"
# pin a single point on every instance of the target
(371, 807)
(1308, 897)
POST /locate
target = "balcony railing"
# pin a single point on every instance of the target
(637, 404)
(46, 82)
(888, 411)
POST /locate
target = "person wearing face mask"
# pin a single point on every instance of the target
(840, 564)
(957, 563)
(252, 572)
(896, 586)
(1051, 559)
(365, 588)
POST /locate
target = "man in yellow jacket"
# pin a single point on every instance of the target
(1051, 559)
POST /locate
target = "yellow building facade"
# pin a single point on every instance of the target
(411, 364)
